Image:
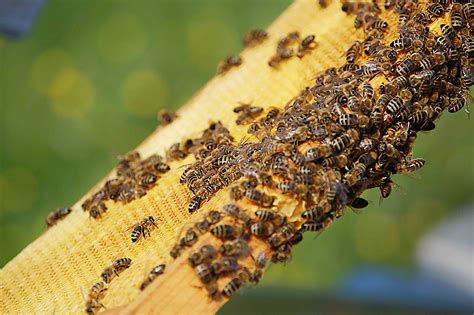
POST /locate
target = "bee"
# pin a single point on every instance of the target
(406, 67)
(236, 193)
(312, 213)
(283, 234)
(306, 45)
(234, 211)
(175, 153)
(154, 273)
(353, 52)
(194, 204)
(231, 287)
(204, 254)
(457, 19)
(115, 269)
(401, 43)
(355, 174)
(247, 113)
(57, 215)
(456, 104)
(286, 187)
(341, 142)
(189, 238)
(166, 118)
(229, 63)
(144, 227)
(435, 9)
(394, 105)
(296, 239)
(259, 198)
(226, 231)
(237, 248)
(97, 291)
(254, 37)
(262, 229)
(410, 166)
(348, 120)
(312, 226)
(204, 273)
(93, 306)
(261, 260)
(338, 161)
(389, 4)
(223, 265)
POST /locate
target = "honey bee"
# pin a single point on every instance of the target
(204, 254)
(233, 286)
(143, 228)
(312, 213)
(286, 187)
(254, 37)
(93, 306)
(394, 105)
(259, 198)
(410, 166)
(296, 239)
(204, 273)
(223, 265)
(115, 269)
(353, 52)
(261, 260)
(348, 120)
(237, 248)
(166, 118)
(338, 161)
(456, 104)
(406, 67)
(341, 142)
(229, 63)
(306, 45)
(154, 273)
(262, 229)
(189, 238)
(235, 211)
(457, 19)
(401, 43)
(435, 9)
(247, 113)
(194, 204)
(175, 153)
(226, 231)
(57, 215)
(97, 291)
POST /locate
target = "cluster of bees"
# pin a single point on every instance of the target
(98, 290)
(291, 45)
(337, 138)
(134, 177)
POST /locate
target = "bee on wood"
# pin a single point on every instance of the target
(247, 113)
(154, 273)
(189, 239)
(254, 37)
(225, 231)
(354, 52)
(194, 204)
(306, 45)
(224, 265)
(97, 292)
(266, 215)
(259, 198)
(229, 63)
(57, 215)
(165, 118)
(115, 269)
(204, 273)
(231, 287)
(93, 306)
(204, 254)
(175, 153)
(312, 213)
(262, 229)
(235, 211)
(237, 248)
(144, 227)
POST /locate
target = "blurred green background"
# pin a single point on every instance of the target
(87, 83)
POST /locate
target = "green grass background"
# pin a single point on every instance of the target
(86, 84)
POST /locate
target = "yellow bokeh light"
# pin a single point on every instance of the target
(46, 67)
(144, 92)
(377, 237)
(122, 38)
(207, 36)
(70, 93)
(19, 189)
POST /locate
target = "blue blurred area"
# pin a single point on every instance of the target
(418, 290)
(17, 17)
